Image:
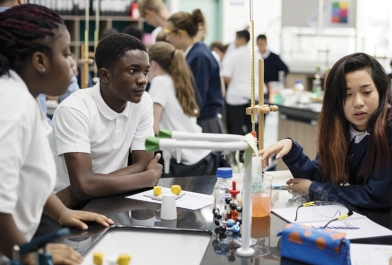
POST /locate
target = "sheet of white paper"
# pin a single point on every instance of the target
(363, 254)
(190, 200)
(355, 226)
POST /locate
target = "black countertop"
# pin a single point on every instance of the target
(305, 112)
(119, 209)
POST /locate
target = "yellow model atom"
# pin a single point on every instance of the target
(98, 258)
(175, 189)
(157, 190)
(123, 259)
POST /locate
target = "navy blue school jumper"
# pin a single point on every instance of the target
(208, 91)
(272, 65)
(374, 193)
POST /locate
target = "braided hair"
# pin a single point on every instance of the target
(23, 29)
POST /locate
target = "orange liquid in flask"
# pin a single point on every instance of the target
(261, 204)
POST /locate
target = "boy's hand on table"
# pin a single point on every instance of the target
(298, 185)
(156, 168)
(68, 217)
(63, 254)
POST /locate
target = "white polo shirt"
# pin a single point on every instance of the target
(155, 33)
(84, 123)
(173, 118)
(27, 169)
(237, 67)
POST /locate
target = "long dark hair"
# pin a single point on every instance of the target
(23, 29)
(334, 135)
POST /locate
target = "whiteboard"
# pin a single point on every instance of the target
(149, 247)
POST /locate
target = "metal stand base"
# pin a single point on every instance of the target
(249, 252)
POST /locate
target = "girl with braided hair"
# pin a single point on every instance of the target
(34, 59)
(175, 107)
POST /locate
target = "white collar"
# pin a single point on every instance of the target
(243, 47)
(357, 135)
(47, 128)
(188, 49)
(103, 107)
(266, 54)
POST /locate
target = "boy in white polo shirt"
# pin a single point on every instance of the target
(96, 128)
(236, 72)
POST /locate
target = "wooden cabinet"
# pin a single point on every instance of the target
(301, 125)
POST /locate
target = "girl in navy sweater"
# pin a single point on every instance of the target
(181, 31)
(353, 164)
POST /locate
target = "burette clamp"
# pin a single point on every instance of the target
(265, 109)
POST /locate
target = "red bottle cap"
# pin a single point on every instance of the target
(234, 191)
(254, 134)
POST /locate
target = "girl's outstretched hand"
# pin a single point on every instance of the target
(77, 219)
(280, 148)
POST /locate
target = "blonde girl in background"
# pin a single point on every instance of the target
(175, 107)
(182, 30)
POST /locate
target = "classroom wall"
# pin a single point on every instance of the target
(370, 28)
(211, 9)
(266, 17)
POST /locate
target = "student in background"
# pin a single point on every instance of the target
(134, 31)
(175, 107)
(161, 36)
(72, 88)
(34, 59)
(353, 164)
(95, 129)
(155, 14)
(107, 32)
(272, 63)
(236, 73)
(219, 48)
(181, 30)
(200, 36)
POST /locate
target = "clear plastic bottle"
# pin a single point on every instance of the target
(297, 91)
(222, 187)
(298, 86)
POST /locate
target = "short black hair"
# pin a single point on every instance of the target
(243, 34)
(113, 47)
(134, 31)
(261, 37)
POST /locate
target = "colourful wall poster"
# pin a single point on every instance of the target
(340, 11)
